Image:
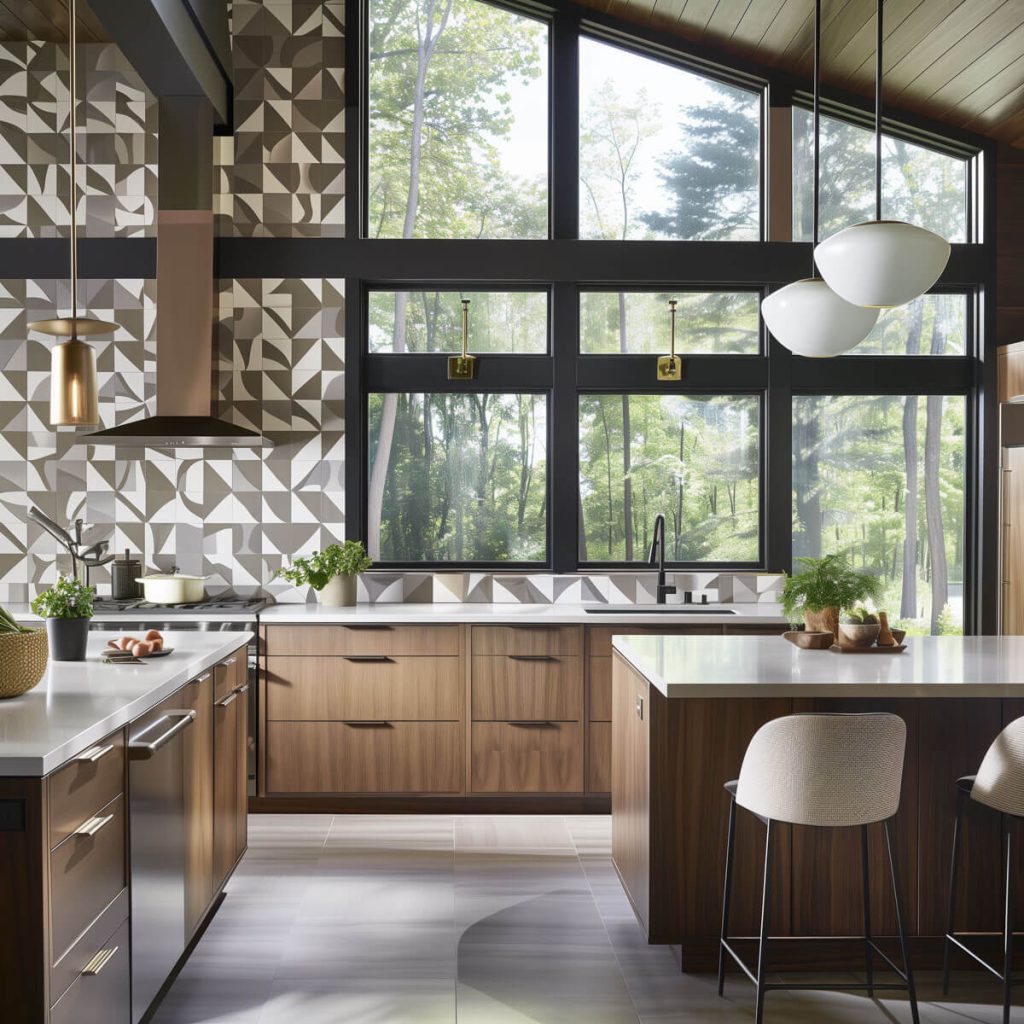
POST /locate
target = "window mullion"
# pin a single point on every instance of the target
(563, 443)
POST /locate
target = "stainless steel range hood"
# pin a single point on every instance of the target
(184, 347)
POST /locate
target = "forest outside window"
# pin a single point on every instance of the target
(464, 479)
(881, 479)
(919, 185)
(458, 121)
(934, 324)
(431, 321)
(696, 459)
(665, 152)
(638, 323)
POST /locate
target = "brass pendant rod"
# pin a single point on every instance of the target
(672, 338)
(817, 133)
(73, 89)
(878, 110)
(465, 327)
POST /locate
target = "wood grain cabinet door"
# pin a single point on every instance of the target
(242, 765)
(198, 760)
(527, 757)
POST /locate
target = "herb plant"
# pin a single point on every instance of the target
(8, 625)
(66, 599)
(829, 582)
(316, 571)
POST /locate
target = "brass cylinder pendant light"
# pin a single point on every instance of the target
(74, 399)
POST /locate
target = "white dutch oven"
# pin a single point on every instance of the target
(173, 588)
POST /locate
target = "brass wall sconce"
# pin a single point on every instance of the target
(463, 367)
(670, 367)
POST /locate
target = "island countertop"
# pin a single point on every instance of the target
(77, 703)
(739, 666)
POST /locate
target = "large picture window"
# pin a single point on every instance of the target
(574, 184)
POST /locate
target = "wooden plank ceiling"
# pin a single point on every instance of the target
(957, 61)
(47, 19)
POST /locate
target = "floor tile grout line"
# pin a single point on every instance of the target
(600, 917)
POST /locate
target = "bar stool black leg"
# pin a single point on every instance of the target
(868, 960)
(894, 872)
(1008, 888)
(726, 895)
(953, 868)
(766, 902)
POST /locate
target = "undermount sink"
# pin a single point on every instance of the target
(659, 609)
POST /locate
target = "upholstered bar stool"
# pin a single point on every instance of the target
(999, 785)
(829, 771)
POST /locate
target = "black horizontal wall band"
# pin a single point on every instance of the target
(883, 375)
(102, 258)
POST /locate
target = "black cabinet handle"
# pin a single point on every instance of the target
(529, 723)
(378, 658)
(368, 724)
(532, 657)
(370, 627)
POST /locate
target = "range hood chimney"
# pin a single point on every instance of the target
(184, 301)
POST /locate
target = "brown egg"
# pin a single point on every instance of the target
(126, 642)
(142, 648)
(157, 643)
(153, 634)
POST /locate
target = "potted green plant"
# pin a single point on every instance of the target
(67, 608)
(23, 656)
(826, 586)
(331, 573)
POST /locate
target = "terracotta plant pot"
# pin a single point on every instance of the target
(340, 592)
(68, 638)
(825, 621)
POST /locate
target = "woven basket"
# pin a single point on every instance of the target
(23, 658)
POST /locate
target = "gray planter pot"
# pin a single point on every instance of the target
(68, 638)
(340, 592)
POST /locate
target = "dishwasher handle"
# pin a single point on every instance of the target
(142, 751)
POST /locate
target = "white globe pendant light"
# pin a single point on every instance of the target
(807, 316)
(811, 320)
(881, 263)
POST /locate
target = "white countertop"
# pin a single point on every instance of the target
(683, 666)
(77, 703)
(557, 614)
(23, 613)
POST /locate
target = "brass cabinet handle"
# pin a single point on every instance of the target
(368, 723)
(227, 700)
(532, 657)
(139, 751)
(92, 825)
(531, 723)
(100, 960)
(382, 659)
(93, 754)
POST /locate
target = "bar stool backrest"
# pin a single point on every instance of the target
(1000, 779)
(828, 770)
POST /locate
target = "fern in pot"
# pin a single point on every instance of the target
(826, 586)
(332, 573)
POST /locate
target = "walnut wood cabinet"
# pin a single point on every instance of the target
(230, 777)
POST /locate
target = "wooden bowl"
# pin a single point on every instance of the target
(859, 634)
(810, 641)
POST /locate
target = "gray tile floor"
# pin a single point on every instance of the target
(480, 920)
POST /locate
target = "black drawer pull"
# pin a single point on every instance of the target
(378, 658)
(370, 627)
(532, 657)
(534, 628)
(369, 723)
(529, 723)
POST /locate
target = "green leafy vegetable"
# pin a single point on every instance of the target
(8, 625)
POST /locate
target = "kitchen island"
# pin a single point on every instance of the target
(94, 914)
(683, 712)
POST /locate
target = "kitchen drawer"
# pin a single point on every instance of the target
(600, 689)
(601, 636)
(328, 641)
(532, 686)
(537, 758)
(103, 997)
(599, 771)
(86, 873)
(404, 688)
(80, 788)
(73, 962)
(392, 757)
(527, 639)
(230, 673)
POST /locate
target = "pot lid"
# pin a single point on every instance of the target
(153, 577)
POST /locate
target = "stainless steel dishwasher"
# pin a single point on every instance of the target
(156, 795)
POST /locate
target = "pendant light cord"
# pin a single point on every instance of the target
(817, 144)
(878, 109)
(72, 71)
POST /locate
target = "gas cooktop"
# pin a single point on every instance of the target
(223, 603)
